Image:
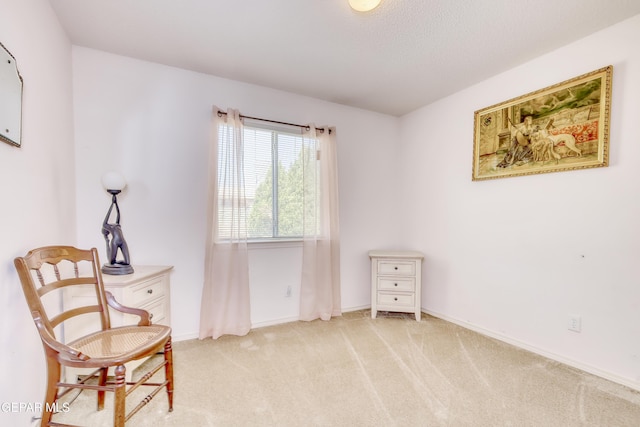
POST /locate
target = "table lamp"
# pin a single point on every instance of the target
(114, 183)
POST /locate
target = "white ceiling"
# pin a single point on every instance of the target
(403, 55)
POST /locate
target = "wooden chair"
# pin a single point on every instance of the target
(55, 268)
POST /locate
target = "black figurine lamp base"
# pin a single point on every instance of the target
(117, 269)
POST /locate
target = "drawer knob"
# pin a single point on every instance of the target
(395, 284)
(395, 299)
(150, 291)
(395, 268)
(150, 316)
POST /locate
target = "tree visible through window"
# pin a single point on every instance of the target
(275, 161)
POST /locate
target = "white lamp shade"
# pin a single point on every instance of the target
(113, 181)
(364, 5)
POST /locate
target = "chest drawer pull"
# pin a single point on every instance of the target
(150, 291)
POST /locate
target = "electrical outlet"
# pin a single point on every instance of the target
(575, 323)
(288, 294)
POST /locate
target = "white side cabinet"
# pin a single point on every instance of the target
(396, 281)
(148, 287)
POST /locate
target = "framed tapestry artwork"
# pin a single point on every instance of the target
(558, 128)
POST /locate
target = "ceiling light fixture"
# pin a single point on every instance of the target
(364, 5)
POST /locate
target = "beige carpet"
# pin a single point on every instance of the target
(355, 371)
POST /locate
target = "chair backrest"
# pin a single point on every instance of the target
(47, 272)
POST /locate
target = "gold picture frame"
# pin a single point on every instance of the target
(559, 128)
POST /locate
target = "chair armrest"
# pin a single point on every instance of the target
(145, 318)
(65, 351)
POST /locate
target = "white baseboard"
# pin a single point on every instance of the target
(558, 358)
(193, 336)
(274, 322)
(358, 308)
(271, 322)
(184, 337)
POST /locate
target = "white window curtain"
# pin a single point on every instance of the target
(320, 287)
(225, 305)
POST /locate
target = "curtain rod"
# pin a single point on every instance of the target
(220, 113)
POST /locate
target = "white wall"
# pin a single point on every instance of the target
(515, 257)
(37, 188)
(152, 123)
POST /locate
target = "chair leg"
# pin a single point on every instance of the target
(53, 377)
(168, 371)
(102, 381)
(119, 397)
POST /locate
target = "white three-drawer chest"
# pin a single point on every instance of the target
(396, 281)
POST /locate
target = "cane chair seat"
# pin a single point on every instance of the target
(44, 274)
(125, 342)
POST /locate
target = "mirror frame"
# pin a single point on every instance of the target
(10, 80)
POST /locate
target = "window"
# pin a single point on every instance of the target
(274, 162)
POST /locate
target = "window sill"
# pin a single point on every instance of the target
(274, 244)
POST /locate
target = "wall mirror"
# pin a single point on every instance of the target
(10, 99)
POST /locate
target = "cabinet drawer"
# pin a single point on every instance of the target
(147, 291)
(156, 311)
(390, 299)
(389, 267)
(396, 284)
